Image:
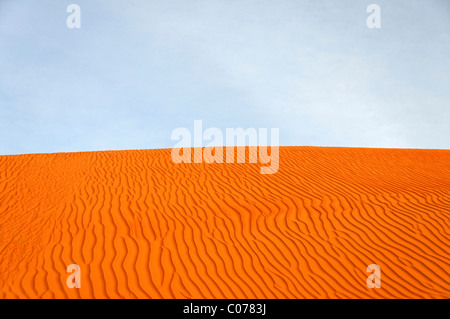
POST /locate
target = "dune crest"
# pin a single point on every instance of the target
(140, 226)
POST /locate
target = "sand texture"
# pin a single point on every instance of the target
(140, 226)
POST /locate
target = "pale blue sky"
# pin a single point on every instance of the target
(136, 70)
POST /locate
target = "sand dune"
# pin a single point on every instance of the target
(140, 226)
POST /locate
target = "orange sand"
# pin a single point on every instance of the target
(140, 226)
